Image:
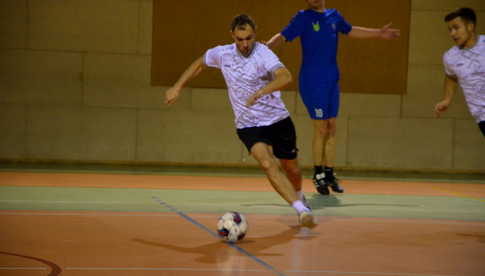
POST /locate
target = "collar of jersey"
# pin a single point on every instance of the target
(252, 51)
(325, 13)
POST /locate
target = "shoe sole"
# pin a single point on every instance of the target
(306, 220)
(336, 190)
(321, 190)
(334, 186)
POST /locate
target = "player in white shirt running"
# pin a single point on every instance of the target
(465, 65)
(254, 75)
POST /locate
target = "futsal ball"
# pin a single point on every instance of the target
(232, 226)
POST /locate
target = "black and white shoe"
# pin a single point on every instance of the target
(320, 183)
(333, 182)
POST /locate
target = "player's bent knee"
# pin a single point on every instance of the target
(267, 164)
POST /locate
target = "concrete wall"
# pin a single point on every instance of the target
(74, 85)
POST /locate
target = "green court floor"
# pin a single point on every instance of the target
(200, 201)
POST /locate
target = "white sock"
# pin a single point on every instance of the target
(299, 206)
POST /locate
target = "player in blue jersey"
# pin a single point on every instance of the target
(318, 29)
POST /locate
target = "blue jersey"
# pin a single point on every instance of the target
(318, 34)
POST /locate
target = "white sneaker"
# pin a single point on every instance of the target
(306, 219)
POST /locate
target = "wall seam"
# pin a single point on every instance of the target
(28, 123)
(26, 114)
(137, 132)
(401, 106)
(347, 144)
(27, 30)
(138, 34)
(453, 140)
(83, 78)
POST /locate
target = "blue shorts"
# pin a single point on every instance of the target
(322, 100)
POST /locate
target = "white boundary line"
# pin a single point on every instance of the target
(366, 273)
(242, 270)
(21, 268)
(159, 269)
(98, 214)
(77, 268)
(69, 201)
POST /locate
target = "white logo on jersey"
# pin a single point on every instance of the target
(319, 112)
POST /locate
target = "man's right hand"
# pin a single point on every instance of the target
(441, 107)
(171, 95)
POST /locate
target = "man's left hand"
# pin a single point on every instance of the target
(388, 33)
(253, 98)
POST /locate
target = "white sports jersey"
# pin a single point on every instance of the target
(245, 76)
(468, 65)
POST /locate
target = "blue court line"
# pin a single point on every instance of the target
(214, 234)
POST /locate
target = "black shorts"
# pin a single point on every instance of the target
(280, 135)
(481, 125)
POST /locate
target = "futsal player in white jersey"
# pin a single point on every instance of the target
(254, 75)
(465, 65)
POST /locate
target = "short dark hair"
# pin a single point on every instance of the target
(242, 20)
(468, 15)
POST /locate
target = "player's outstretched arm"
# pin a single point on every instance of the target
(172, 94)
(275, 41)
(282, 78)
(386, 32)
(450, 88)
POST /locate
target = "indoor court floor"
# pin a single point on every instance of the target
(55, 222)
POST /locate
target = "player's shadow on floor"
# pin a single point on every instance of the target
(220, 251)
(318, 201)
(479, 237)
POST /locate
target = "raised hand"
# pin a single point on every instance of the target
(388, 33)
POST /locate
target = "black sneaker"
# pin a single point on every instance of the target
(320, 183)
(333, 183)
